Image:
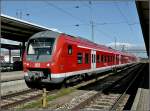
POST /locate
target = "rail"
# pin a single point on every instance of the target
(117, 98)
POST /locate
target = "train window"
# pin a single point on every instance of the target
(69, 49)
(102, 58)
(94, 58)
(45, 47)
(79, 58)
(108, 58)
(118, 58)
(98, 58)
(114, 58)
(86, 58)
(105, 59)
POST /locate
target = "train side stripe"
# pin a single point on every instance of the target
(101, 69)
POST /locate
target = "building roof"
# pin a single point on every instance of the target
(10, 46)
(143, 12)
(19, 30)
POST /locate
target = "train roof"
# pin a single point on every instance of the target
(46, 33)
(55, 34)
(103, 47)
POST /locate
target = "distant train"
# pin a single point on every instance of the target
(52, 57)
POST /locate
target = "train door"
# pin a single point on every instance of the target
(93, 59)
(119, 59)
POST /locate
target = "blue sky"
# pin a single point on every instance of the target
(112, 19)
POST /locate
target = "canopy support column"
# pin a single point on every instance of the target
(9, 55)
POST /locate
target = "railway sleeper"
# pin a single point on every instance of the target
(90, 109)
(99, 106)
(104, 103)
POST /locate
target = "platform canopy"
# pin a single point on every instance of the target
(19, 30)
(143, 12)
(10, 46)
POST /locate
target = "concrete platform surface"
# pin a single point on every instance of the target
(142, 99)
(142, 102)
(7, 76)
(12, 87)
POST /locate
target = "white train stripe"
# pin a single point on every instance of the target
(67, 74)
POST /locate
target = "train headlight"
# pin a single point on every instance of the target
(27, 64)
(48, 65)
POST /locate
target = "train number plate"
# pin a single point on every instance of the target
(37, 64)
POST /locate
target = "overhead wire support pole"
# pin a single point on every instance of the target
(91, 22)
(92, 33)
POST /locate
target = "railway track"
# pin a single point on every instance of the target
(13, 100)
(16, 99)
(103, 100)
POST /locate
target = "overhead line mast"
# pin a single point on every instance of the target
(91, 22)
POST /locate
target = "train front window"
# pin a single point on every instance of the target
(40, 46)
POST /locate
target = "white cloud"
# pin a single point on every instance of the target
(119, 44)
(126, 45)
(129, 48)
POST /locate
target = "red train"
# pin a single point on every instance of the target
(54, 57)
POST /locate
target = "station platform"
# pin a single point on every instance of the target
(142, 101)
(12, 82)
(8, 76)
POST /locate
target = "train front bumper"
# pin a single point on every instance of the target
(31, 77)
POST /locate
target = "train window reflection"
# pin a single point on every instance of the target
(40, 46)
(79, 58)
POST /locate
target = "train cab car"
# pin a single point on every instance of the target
(55, 57)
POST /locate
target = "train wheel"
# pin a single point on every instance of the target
(87, 77)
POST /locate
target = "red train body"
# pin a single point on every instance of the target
(53, 57)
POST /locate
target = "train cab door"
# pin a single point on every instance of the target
(93, 59)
